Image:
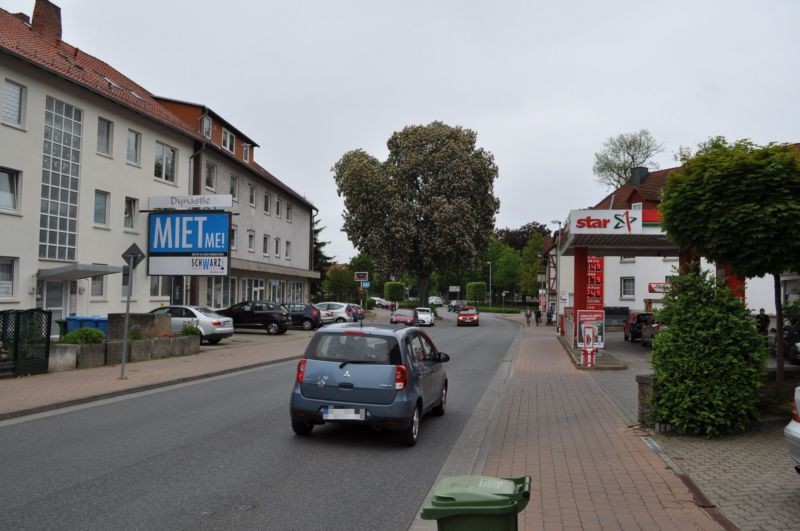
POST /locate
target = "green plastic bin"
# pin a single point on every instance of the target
(477, 503)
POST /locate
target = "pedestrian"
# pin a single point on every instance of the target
(528, 314)
(538, 315)
(549, 317)
(762, 323)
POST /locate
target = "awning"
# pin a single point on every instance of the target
(76, 271)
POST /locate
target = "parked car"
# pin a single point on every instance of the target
(326, 316)
(792, 431)
(305, 316)
(453, 305)
(377, 376)
(468, 316)
(650, 331)
(271, 316)
(632, 329)
(342, 311)
(406, 317)
(379, 302)
(213, 326)
(425, 317)
(435, 300)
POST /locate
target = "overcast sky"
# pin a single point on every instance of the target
(542, 83)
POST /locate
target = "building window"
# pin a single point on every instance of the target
(246, 152)
(14, 104)
(160, 286)
(288, 248)
(105, 136)
(61, 170)
(207, 126)
(288, 212)
(9, 189)
(252, 196)
(221, 292)
(134, 147)
(295, 291)
(166, 157)
(211, 177)
(131, 209)
(251, 241)
(6, 277)
(627, 287)
(234, 236)
(636, 206)
(278, 205)
(267, 203)
(127, 281)
(265, 245)
(235, 187)
(228, 140)
(97, 289)
(277, 248)
(100, 207)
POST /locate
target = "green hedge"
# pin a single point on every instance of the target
(83, 336)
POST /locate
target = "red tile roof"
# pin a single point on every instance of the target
(17, 39)
(649, 190)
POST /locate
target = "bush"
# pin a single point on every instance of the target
(476, 292)
(394, 291)
(191, 330)
(709, 360)
(369, 304)
(83, 336)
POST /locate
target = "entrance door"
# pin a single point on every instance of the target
(54, 302)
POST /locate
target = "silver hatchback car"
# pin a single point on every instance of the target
(378, 376)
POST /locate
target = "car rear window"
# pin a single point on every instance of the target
(382, 350)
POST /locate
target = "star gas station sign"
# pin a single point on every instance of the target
(605, 222)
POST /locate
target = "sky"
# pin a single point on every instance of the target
(542, 83)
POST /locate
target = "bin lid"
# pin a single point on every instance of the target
(477, 495)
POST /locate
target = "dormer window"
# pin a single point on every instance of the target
(207, 126)
(228, 140)
(246, 152)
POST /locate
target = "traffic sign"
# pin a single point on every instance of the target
(361, 276)
(133, 256)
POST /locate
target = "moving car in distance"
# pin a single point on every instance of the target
(271, 316)
(305, 316)
(425, 317)
(213, 326)
(375, 376)
(468, 317)
(435, 300)
(454, 305)
(379, 302)
(406, 317)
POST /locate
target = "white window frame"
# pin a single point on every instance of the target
(265, 245)
(208, 126)
(105, 214)
(251, 240)
(137, 136)
(160, 282)
(234, 236)
(277, 253)
(99, 280)
(289, 212)
(637, 206)
(15, 178)
(228, 138)
(163, 176)
(211, 171)
(267, 203)
(110, 146)
(251, 197)
(135, 214)
(287, 250)
(246, 152)
(8, 287)
(234, 188)
(622, 292)
(21, 107)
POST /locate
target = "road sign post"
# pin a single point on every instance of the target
(133, 256)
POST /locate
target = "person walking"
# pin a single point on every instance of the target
(549, 317)
(538, 315)
(762, 324)
(528, 314)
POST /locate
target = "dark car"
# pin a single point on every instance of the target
(406, 317)
(632, 329)
(271, 316)
(374, 376)
(305, 316)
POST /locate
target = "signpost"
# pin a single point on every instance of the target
(133, 256)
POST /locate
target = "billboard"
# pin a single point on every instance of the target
(193, 243)
(591, 323)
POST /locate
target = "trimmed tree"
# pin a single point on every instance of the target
(739, 204)
(394, 291)
(476, 291)
(708, 361)
(429, 207)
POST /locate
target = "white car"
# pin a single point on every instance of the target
(792, 431)
(425, 317)
(435, 300)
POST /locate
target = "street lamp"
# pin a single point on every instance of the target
(558, 270)
(490, 284)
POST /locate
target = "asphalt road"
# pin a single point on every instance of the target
(220, 454)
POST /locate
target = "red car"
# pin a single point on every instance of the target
(468, 317)
(406, 317)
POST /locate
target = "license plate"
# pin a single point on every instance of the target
(343, 413)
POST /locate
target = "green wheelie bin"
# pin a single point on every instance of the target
(477, 503)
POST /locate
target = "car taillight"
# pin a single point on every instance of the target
(314, 312)
(795, 414)
(301, 370)
(216, 323)
(400, 377)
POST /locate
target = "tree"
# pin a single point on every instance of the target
(476, 292)
(531, 265)
(394, 291)
(321, 260)
(507, 271)
(339, 283)
(622, 153)
(739, 204)
(430, 206)
(518, 238)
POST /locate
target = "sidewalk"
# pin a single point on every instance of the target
(590, 471)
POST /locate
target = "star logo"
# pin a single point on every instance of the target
(624, 220)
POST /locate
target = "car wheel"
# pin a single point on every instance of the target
(308, 324)
(439, 409)
(302, 428)
(214, 341)
(341, 320)
(411, 434)
(273, 327)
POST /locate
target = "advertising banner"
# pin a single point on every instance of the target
(189, 243)
(591, 322)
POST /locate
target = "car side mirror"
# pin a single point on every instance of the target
(443, 358)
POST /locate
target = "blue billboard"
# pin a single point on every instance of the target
(189, 233)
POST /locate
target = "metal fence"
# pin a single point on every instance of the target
(25, 335)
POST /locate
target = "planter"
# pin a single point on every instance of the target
(91, 355)
(140, 350)
(162, 348)
(63, 357)
(185, 345)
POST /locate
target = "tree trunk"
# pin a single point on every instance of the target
(779, 345)
(423, 282)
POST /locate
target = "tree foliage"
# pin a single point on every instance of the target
(518, 238)
(476, 291)
(531, 265)
(321, 260)
(394, 291)
(708, 361)
(339, 284)
(429, 206)
(622, 153)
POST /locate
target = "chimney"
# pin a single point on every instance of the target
(47, 19)
(639, 175)
(23, 17)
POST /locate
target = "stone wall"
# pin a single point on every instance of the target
(151, 325)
